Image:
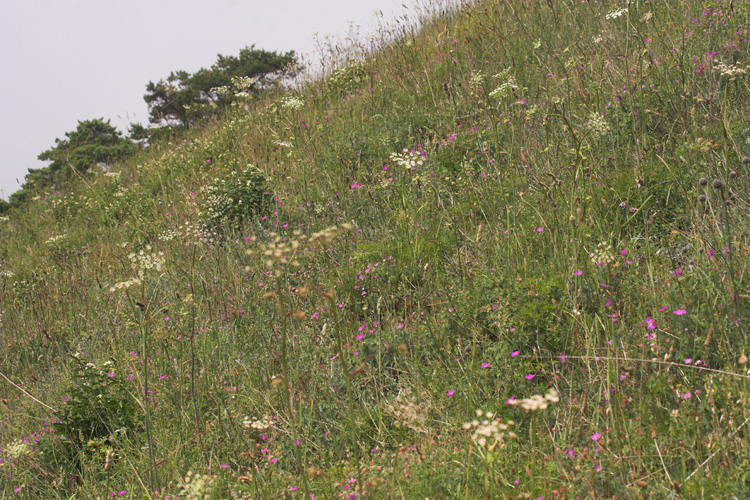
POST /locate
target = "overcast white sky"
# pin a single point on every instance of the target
(67, 60)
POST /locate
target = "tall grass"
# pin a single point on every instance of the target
(528, 217)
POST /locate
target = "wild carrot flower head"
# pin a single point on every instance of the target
(260, 424)
(146, 260)
(407, 159)
(409, 411)
(124, 285)
(597, 124)
(195, 486)
(488, 432)
(602, 254)
(537, 401)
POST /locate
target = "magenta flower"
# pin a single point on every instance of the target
(530, 376)
(596, 436)
(650, 323)
(510, 400)
(451, 392)
(485, 365)
(514, 354)
(679, 312)
(578, 273)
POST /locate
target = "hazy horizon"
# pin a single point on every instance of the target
(62, 62)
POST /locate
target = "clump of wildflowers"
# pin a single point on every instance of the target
(124, 285)
(279, 249)
(489, 431)
(195, 487)
(407, 411)
(233, 198)
(477, 79)
(507, 86)
(261, 424)
(324, 237)
(731, 71)
(597, 124)
(407, 159)
(145, 261)
(602, 254)
(615, 13)
(54, 239)
(17, 449)
(292, 102)
(537, 401)
(190, 234)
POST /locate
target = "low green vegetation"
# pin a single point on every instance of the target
(500, 255)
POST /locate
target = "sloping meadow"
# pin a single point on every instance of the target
(503, 255)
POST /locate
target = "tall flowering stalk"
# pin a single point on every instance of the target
(144, 263)
(277, 253)
(323, 238)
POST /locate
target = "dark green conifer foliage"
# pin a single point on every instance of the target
(184, 97)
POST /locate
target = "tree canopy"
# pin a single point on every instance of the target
(184, 97)
(92, 142)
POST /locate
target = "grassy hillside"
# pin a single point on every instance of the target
(504, 255)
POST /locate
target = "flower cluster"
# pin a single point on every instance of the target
(615, 13)
(477, 79)
(597, 124)
(537, 401)
(233, 198)
(292, 102)
(602, 254)
(17, 449)
(146, 260)
(195, 487)
(324, 237)
(54, 239)
(407, 159)
(408, 412)
(489, 431)
(262, 424)
(731, 71)
(279, 249)
(190, 234)
(124, 285)
(507, 86)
